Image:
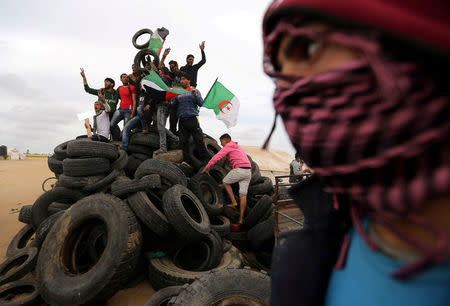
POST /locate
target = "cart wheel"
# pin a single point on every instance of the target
(49, 183)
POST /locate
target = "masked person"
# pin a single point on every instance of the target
(361, 90)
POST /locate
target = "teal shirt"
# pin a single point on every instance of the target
(366, 281)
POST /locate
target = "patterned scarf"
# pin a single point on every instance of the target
(376, 130)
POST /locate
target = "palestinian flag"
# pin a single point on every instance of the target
(224, 103)
(158, 90)
(157, 40)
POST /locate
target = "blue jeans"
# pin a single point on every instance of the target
(131, 124)
(119, 115)
(140, 113)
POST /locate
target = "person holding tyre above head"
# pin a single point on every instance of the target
(241, 172)
(362, 88)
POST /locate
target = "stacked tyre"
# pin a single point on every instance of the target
(104, 224)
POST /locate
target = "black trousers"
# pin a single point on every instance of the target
(191, 127)
(115, 131)
(173, 120)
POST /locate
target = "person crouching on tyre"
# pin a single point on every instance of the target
(241, 172)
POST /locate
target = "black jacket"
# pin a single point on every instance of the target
(303, 260)
(193, 70)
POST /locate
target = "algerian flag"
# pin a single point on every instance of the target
(157, 40)
(157, 89)
(224, 103)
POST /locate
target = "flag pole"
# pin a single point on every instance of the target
(210, 89)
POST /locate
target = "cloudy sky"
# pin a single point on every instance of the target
(44, 43)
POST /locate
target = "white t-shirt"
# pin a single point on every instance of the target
(103, 124)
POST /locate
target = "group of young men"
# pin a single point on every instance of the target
(137, 108)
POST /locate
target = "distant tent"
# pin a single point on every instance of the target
(16, 155)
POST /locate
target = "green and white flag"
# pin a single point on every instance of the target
(224, 103)
(156, 43)
(157, 40)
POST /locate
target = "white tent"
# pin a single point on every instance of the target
(16, 155)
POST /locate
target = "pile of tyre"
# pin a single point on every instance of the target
(115, 219)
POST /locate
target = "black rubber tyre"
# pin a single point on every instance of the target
(163, 296)
(258, 211)
(214, 242)
(23, 262)
(268, 213)
(185, 213)
(187, 169)
(251, 260)
(55, 165)
(169, 172)
(148, 140)
(86, 166)
(140, 149)
(25, 214)
(163, 272)
(82, 148)
(231, 213)
(10, 291)
(149, 214)
(265, 187)
(240, 240)
(132, 165)
(25, 237)
(220, 224)
(218, 173)
(78, 182)
(121, 161)
(57, 194)
(256, 174)
(45, 227)
(208, 192)
(61, 150)
(139, 59)
(265, 258)
(103, 183)
(124, 186)
(194, 256)
(141, 156)
(262, 234)
(136, 36)
(226, 287)
(61, 281)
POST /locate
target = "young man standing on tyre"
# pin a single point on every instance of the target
(127, 107)
(191, 69)
(187, 105)
(110, 95)
(241, 172)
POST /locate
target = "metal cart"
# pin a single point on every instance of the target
(287, 215)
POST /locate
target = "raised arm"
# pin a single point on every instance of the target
(86, 86)
(219, 155)
(203, 60)
(161, 62)
(103, 101)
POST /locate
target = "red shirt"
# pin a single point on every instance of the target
(126, 101)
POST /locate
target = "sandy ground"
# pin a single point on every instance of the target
(20, 184)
